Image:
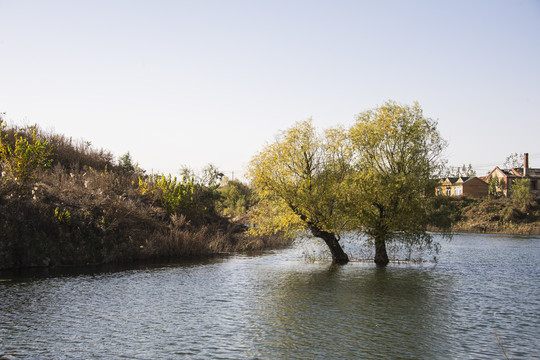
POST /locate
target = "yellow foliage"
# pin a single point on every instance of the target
(298, 178)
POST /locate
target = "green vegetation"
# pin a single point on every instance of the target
(299, 180)
(126, 163)
(492, 215)
(22, 155)
(376, 177)
(398, 156)
(521, 195)
(495, 186)
(64, 203)
(237, 199)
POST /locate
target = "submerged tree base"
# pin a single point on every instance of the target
(381, 261)
(339, 257)
(381, 256)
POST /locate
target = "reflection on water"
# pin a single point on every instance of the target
(279, 306)
(363, 311)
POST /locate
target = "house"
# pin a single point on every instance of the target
(446, 187)
(458, 186)
(507, 177)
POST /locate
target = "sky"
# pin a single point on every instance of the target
(187, 83)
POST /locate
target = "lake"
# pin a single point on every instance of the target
(481, 300)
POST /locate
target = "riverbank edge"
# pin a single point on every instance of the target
(250, 249)
(502, 216)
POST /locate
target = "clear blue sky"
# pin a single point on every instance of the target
(193, 82)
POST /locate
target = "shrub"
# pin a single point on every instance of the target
(22, 155)
(511, 214)
(85, 210)
(126, 163)
(521, 195)
(236, 198)
(176, 196)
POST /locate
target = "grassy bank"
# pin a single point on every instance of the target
(64, 203)
(494, 215)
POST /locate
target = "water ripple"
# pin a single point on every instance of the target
(484, 293)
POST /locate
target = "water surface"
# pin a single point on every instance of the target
(480, 299)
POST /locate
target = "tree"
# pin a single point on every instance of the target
(457, 171)
(236, 198)
(521, 194)
(300, 181)
(514, 160)
(495, 186)
(398, 158)
(126, 163)
(211, 176)
(470, 171)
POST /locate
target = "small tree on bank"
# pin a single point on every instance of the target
(126, 163)
(495, 186)
(522, 197)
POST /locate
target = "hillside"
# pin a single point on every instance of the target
(500, 216)
(64, 203)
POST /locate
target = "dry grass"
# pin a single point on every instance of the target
(495, 216)
(87, 210)
(75, 155)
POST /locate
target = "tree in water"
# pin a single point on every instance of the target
(378, 177)
(397, 161)
(300, 181)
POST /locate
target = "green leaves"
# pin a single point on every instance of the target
(398, 156)
(299, 180)
(23, 155)
(63, 217)
(522, 197)
(176, 196)
(495, 186)
(236, 198)
(378, 176)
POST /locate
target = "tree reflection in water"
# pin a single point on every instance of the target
(356, 311)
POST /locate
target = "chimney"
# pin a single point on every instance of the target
(525, 163)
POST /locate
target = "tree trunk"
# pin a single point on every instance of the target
(381, 257)
(379, 233)
(339, 256)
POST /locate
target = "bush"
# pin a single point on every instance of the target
(126, 163)
(521, 195)
(236, 198)
(511, 214)
(22, 155)
(176, 196)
